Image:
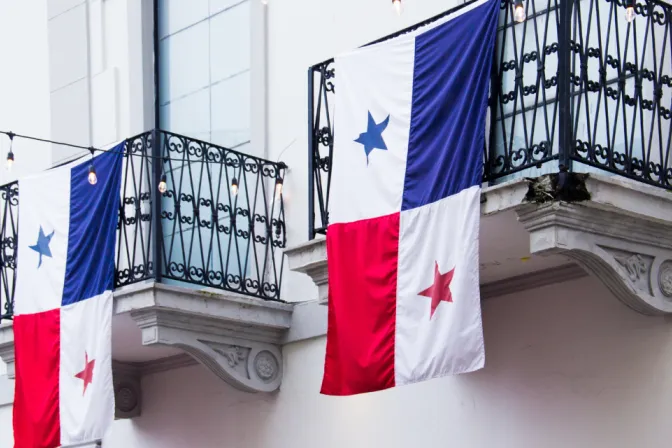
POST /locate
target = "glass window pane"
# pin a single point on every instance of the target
(188, 116)
(204, 85)
(231, 111)
(175, 15)
(220, 5)
(184, 65)
(230, 42)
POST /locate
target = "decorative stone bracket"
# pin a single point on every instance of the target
(127, 390)
(630, 253)
(249, 365)
(237, 338)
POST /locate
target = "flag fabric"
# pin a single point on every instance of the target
(404, 211)
(63, 304)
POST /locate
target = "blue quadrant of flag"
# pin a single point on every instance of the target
(450, 92)
(93, 221)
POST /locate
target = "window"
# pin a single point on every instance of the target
(204, 69)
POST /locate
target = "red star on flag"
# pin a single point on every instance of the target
(440, 290)
(86, 375)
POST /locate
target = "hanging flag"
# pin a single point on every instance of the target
(404, 211)
(63, 304)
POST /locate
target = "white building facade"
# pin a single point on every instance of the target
(220, 306)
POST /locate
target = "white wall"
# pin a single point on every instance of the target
(24, 89)
(566, 365)
(24, 84)
(100, 62)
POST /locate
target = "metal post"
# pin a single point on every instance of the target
(495, 88)
(156, 204)
(564, 84)
(311, 154)
(155, 32)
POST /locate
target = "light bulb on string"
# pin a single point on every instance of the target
(630, 11)
(10, 154)
(234, 186)
(10, 160)
(93, 178)
(519, 12)
(163, 186)
(278, 188)
(397, 6)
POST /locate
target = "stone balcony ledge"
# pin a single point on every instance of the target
(237, 337)
(618, 230)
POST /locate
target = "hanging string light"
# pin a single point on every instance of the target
(630, 10)
(519, 12)
(10, 154)
(234, 186)
(163, 186)
(397, 6)
(278, 187)
(93, 178)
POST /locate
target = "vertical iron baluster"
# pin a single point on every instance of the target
(156, 204)
(564, 50)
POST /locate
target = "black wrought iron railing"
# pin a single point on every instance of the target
(9, 195)
(217, 223)
(575, 87)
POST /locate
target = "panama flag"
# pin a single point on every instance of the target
(63, 307)
(404, 211)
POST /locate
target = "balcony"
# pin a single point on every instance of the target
(577, 167)
(199, 263)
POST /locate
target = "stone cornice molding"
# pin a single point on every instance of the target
(630, 197)
(630, 253)
(311, 259)
(7, 348)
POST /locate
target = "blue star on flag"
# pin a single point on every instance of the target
(373, 137)
(42, 245)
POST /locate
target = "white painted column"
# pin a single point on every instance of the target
(259, 78)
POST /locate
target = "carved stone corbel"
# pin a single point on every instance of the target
(631, 254)
(127, 390)
(249, 365)
(237, 338)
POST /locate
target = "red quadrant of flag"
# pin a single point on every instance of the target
(363, 318)
(37, 338)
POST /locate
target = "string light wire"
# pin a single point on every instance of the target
(12, 136)
(93, 178)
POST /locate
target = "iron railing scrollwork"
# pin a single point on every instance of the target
(574, 87)
(215, 235)
(204, 230)
(8, 247)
